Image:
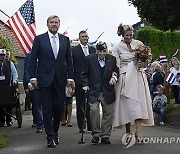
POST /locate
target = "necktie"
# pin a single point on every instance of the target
(54, 46)
(85, 51)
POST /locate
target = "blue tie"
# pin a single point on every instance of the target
(54, 46)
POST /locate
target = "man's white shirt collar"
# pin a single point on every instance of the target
(50, 34)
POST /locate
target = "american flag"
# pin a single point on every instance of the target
(22, 24)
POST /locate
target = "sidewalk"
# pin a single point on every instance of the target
(25, 140)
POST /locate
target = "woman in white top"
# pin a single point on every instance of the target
(133, 101)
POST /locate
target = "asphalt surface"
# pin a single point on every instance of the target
(25, 140)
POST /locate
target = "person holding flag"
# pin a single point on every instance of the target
(174, 79)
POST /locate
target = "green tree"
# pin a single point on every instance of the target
(162, 14)
(5, 44)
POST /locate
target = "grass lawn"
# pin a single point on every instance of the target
(3, 139)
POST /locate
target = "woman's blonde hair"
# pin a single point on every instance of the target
(124, 28)
(158, 67)
(173, 59)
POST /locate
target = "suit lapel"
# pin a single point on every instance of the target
(48, 43)
(107, 62)
(96, 63)
(80, 51)
(90, 49)
(61, 43)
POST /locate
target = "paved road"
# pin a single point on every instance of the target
(26, 141)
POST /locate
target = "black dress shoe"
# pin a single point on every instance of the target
(82, 131)
(89, 129)
(39, 130)
(105, 140)
(95, 140)
(51, 144)
(56, 140)
(9, 124)
(33, 125)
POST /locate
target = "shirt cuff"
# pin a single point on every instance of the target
(33, 79)
(70, 79)
(29, 84)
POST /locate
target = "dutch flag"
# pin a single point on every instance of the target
(171, 78)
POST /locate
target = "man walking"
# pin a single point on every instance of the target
(99, 75)
(55, 70)
(79, 53)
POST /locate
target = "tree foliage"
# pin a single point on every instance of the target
(162, 14)
(5, 44)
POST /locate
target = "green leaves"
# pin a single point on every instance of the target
(159, 41)
(162, 14)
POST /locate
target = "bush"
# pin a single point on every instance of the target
(160, 42)
(5, 44)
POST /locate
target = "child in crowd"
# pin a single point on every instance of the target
(174, 79)
(159, 103)
(67, 113)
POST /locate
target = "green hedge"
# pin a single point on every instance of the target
(5, 44)
(160, 42)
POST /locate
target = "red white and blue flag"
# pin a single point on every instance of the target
(22, 24)
(171, 78)
(92, 43)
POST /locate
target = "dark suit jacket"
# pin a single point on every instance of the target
(48, 66)
(91, 76)
(26, 77)
(78, 60)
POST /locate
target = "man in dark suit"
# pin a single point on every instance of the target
(54, 71)
(35, 96)
(99, 75)
(79, 52)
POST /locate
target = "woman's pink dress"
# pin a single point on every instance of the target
(133, 100)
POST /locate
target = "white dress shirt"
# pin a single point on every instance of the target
(56, 39)
(87, 49)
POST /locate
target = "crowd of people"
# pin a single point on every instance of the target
(128, 89)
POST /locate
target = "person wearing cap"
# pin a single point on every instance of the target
(8, 75)
(79, 53)
(99, 75)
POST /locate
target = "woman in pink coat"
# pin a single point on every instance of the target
(133, 101)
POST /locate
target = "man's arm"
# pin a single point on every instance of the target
(33, 61)
(115, 74)
(26, 78)
(70, 76)
(84, 75)
(14, 73)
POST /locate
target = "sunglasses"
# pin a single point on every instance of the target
(2, 54)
